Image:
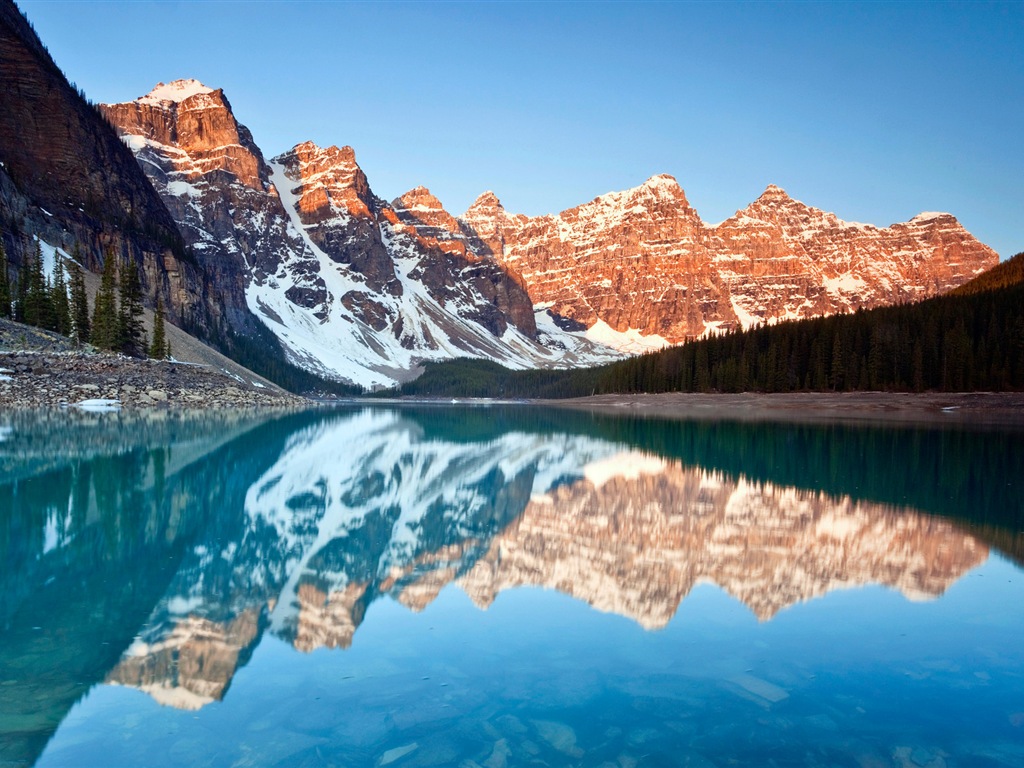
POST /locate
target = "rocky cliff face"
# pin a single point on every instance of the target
(640, 269)
(66, 179)
(783, 259)
(628, 260)
(215, 182)
(353, 288)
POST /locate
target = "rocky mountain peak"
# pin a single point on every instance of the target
(661, 190)
(663, 185)
(418, 199)
(419, 209)
(775, 196)
(488, 201)
(175, 91)
(774, 190)
(333, 156)
(929, 216)
(196, 120)
(776, 208)
(332, 182)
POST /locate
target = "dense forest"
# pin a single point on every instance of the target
(971, 339)
(59, 303)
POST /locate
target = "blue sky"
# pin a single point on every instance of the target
(876, 111)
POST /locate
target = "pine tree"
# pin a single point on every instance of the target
(132, 331)
(159, 348)
(79, 304)
(836, 377)
(21, 292)
(5, 285)
(39, 309)
(59, 299)
(105, 332)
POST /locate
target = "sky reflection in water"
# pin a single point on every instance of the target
(509, 587)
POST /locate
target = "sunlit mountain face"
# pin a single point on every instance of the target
(162, 556)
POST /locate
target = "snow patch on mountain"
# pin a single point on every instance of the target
(630, 341)
(174, 91)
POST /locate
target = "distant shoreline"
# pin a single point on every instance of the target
(928, 408)
(990, 409)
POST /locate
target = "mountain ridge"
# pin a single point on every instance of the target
(299, 255)
(349, 288)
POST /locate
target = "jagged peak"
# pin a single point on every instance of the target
(420, 197)
(487, 200)
(664, 187)
(774, 193)
(175, 91)
(309, 150)
(662, 180)
(930, 215)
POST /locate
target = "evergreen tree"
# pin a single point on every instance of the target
(159, 348)
(79, 304)
(131, 329)
(5, 285)
(59, 299)
(39, 309)
(105, 332)
(836, 378)
(21, 293)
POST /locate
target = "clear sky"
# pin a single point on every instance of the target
(874, 110)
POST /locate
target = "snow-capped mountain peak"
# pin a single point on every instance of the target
(175, 91)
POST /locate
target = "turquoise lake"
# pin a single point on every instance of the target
(483, 587)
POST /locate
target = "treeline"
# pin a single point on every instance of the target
(1002, 275)
(59, 303)
(969, 340)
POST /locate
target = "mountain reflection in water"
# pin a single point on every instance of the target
(158, 554)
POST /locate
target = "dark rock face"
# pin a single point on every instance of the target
(455, 267)
(340, 213)
(359, 230)
(67, 179)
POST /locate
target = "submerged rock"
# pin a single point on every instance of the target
(559, 735)
(397, 753)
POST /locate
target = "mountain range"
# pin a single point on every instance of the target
(295, 258)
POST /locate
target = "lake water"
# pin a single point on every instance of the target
(507, 586)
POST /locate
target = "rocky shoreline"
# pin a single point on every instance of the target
(39, 379)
